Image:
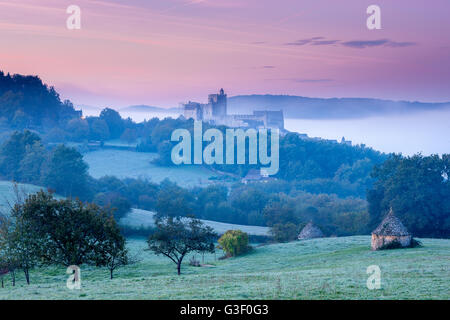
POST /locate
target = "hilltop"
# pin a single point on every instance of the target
(25, 101)
(332, 108)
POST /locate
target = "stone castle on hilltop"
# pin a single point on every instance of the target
(215, 112)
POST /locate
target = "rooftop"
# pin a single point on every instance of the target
(391, 226)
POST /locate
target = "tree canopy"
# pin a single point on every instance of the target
(176, 237)
(418, 190)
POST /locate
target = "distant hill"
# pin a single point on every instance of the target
(333, 108)
(25, 101)
(145, 108)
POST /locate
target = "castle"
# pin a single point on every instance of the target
(215, 112)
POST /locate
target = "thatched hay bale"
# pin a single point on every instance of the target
(310, 231)
(391, 233)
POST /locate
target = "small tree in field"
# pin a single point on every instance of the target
(113, 253)
(176, 237)
(18, 246)
(234, 242)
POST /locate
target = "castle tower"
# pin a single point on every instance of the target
(218, 103)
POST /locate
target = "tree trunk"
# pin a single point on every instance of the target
(179, 267)
(13, 277)
(27, 275)
(2, 283)
(111, 273)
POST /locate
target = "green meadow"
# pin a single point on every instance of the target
(8, 196)
(130, 164)
(328, 268)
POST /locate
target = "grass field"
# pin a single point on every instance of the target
(330, 268)
(129, 164)
(7, 195)
(142, 218)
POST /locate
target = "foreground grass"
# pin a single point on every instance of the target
(332, 268)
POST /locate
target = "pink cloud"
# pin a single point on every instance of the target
(152, 51)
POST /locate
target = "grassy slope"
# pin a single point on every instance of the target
(123, 164)
(331, 268)
(137, 218)
(7, 195)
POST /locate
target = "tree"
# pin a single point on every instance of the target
(69, 232)
(418, 190)
(114, 201)
(173, 201)
(67, 173)
(13, 151)
(18, 244)
(281, 211)
(176, 237)
(113, 253)
(234, 242)
(99, 129)
(248, 199)
(284, 232)
(114, 121)
(78, 129)
(8, 264)
(31, 164)
(165, 154)
(129, 135)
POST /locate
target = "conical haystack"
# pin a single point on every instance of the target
(390, 231)
(310, 231)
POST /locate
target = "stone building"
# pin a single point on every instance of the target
(391, 231)
(310, 231)
(215, 112)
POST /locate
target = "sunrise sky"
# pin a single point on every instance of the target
(167, 51)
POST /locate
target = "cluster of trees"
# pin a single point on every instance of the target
(42, 230)
(108, 125)
(315, 166)
(24, 158)
(275, 204)
(417, 188)
(25, 102)
(62, 169)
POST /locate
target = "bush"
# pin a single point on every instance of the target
(234, 242)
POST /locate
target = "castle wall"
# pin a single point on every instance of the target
(215, 111)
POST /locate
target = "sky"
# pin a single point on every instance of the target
(164, 52)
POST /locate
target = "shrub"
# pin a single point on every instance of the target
(234, 242)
